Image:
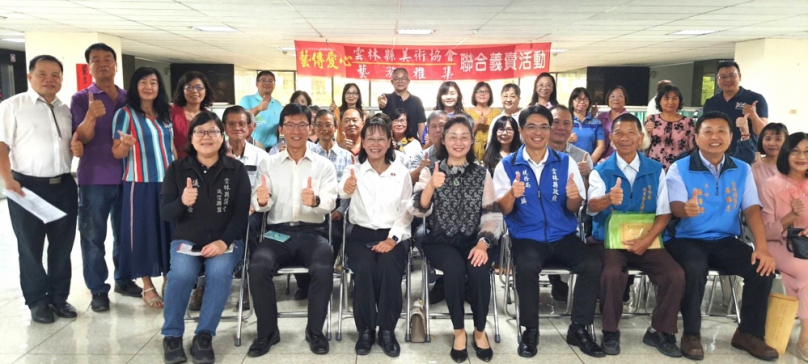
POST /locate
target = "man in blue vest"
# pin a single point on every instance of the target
(630, 182)
(539, 190)
(708, 190)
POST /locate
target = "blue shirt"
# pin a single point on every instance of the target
(266, 121)
(589, 131)
(734, 108)
(678, 192)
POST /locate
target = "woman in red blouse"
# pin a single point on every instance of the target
(193, 95)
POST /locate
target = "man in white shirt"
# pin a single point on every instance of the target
(298, 189)
(36, 150)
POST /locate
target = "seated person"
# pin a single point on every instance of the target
(456, 198)
(628, 181)
(379, 190)
(298, 188)
(211, 225)
(708, 190)
(539, 190)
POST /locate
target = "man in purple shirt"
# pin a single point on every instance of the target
(99, 175)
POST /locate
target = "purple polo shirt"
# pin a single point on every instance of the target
(98, 166)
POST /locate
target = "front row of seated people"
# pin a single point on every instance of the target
(537, 189)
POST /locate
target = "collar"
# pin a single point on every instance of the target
(224, 162)
(587, 119)
(366, 167)
(336, 149)
(33, 96)
(635, 164)
(740, 93)
(96, 90)
(258, 97)
(521, 157)
(700, 164)
(285, 155)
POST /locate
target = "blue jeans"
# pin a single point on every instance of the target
(97, 204)
(181, 279)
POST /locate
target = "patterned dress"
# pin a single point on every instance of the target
(669, 139)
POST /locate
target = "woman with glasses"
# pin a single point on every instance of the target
(506, 141)
(351, 99)
(671, 133)
(207, 196)
(617, 97)
(544, 91)
(483, 115)
(450, 101)
(403, 139)
(784, 200)
(587, 132)
(192, 96)
(456, 198)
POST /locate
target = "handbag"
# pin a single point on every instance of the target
(797, 244)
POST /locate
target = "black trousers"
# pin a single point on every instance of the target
(336, 243)
(306, 247)
(730, 256)
(377, 296)
(461, 280)
(37, 282)
(530, 257)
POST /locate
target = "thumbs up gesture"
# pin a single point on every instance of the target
(346, 143)
(262, 192)
(189, 193)
(127, 139)
(518, 187)
(616, 193)
(95, 109)
(425, 161)
(307, 195)
(692, 206)
(742, 123)
(350, 183)
(382, 101)
(583, 166)
(76, 146)
(438, 177)
(572, 189)
(333, 106)
(750, 109)
(797, 207)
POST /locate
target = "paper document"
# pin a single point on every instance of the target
(196, 251)
(36, 205)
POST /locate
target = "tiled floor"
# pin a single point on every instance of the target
(130, 332)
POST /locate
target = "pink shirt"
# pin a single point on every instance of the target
(762, 172)
(775, 196)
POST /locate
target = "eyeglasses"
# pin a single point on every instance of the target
(580, 100)
(796, 153)
(533, 127)
(505, 131)
(400, 79)
(463, 138)
(730, 76)
(377, 141)
(323, 126)
(438, 127)
(266, 80)
(213, 133)
(616, 97)
(352, 94)
(483, 92)
(296, 126)
(237, 125)
(400, 121)
(197, 88)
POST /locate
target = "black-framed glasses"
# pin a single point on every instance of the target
(197, 88)
(211, 133)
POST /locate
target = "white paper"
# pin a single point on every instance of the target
(187, 249)
(36, 205)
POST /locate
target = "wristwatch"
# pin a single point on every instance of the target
(395, 239)
(316, 201)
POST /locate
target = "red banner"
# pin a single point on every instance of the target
(375, 62)
(83, 77)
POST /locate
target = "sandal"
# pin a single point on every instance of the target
(156, 302)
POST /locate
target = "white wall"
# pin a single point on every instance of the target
(244, 82)
(680, 74)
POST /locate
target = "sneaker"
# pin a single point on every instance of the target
(665, 343)
(173, 353)
(611, 342)
(100, 302)
(202, 349)
(129, 289)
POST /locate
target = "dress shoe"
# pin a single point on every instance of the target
(387, 340)
(129, 289)
(41, 313)
(317, 342)
(365, 342)
(100, 302)
(262, 344)
(530, 343)
(691, 347)
(196, 299)
(578, 336)
(202, 349)
(301, 294)
(753, 345)
(665, 343)
(173, 353)
(461, 355)
(64, 310)
(483, 354)
(611, 342)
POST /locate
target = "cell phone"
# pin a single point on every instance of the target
(274, 235)
(196, 248)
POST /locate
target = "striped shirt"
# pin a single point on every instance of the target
(151, 154)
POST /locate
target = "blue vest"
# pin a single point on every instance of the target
(641, 197)
(721, 200)
(541, 214)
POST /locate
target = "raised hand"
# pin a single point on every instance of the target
(742, 123)
(518, 187)
(382, 101)
(425, 161)
(438, 177)
(76, 146)
(264, 103)
(333, 106)
(573, 137)
(572, 188)
(750, 109)
(346, 143)
(189, 194)
(307, 195)
(616, 193)
(583, 166)
(95, 108)
(649, 126)
(262, 192)
(126, 139)
(350, 183)
(692, 206)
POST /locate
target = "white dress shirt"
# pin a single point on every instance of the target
(502, 183)
(597, 188)
(380, 200)
(286, 181)
(38, 147)
(252, 157)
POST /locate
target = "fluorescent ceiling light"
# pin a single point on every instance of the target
(416, 31)
(14, 40)
(213, 28)
(693, 32)
(286, 49)
(560, 50)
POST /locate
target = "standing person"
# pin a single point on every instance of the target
(510, 104)
(351, 129)
(143, 135)
(617, 98)
(192, 96)
(450, 101)
(99, 176)
(428, 156)
(738, 102)
(402, 139)
(708, 190)
(544, 91)
(671, 133)
(507, 140)
(483, 115)
(265, 108)
(401, 98)
(300, 97)
(769, 144)
(351, 98)
(36, 149)
(380, 191)
(652, 104)
(587, 133)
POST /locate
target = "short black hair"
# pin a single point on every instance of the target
(297, 94)
(560, 107)
(99, 47)
(443, 153)
(381, 122)
(320, 113)
(512, 86)
(775, 128)
(630, 118)
(313, 108)
(727, 64)
(342, 114)
(477, 87)
(187, 77)
(44, 58)
(576, 92)
(666, 90)
(397, 113)
(294, 109)
(791, 142)
(264, 73)
(238, 110)
(203, 118)
(713, 115)
(535, 109)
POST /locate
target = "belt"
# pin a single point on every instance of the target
(19, 177)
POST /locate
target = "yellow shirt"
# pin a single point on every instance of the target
(481, 138)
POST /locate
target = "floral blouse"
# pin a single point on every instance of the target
(669, 139)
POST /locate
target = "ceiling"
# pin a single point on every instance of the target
(594, 32)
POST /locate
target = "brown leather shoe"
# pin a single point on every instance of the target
(754, 346)
(691, 347)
